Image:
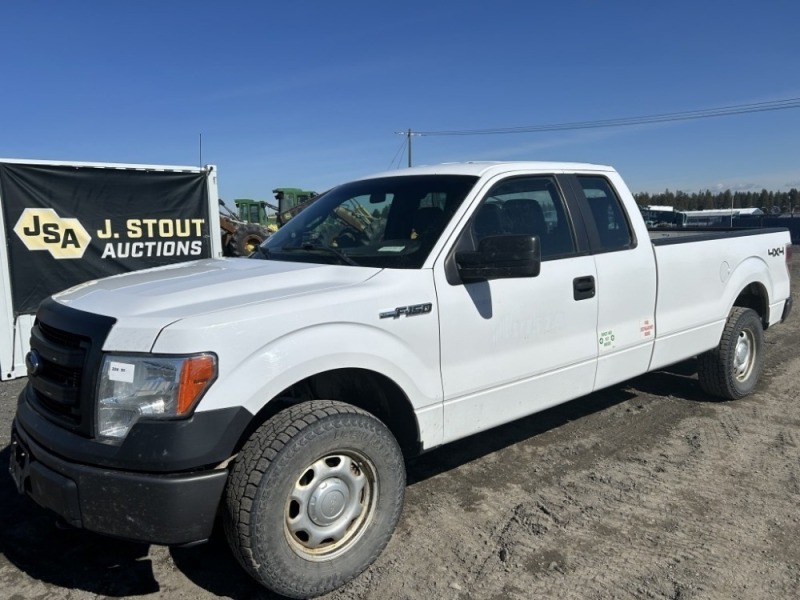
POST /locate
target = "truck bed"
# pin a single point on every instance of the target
(680, 235)
(697, 284)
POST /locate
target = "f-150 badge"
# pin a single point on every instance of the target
(409, 311)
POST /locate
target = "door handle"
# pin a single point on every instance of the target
(583, 287)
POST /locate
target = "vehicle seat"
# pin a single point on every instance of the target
(427, 220)
(611, 225)
(525, 217)
(488, 221)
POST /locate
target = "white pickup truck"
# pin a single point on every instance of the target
(398, 313)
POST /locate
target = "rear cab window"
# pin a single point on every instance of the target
(606, 215)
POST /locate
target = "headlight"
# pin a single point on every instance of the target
(160, 387)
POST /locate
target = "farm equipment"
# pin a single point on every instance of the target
(239, 238)
(244, 230)
(290, 202)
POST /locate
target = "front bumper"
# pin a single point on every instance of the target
(170, 509)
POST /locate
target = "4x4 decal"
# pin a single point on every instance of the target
(776, 251)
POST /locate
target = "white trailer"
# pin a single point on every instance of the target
(64, 223)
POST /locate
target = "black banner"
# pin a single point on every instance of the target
(69, 224)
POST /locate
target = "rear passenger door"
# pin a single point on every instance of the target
(626, 279)
(511, 347)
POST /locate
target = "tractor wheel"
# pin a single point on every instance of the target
(247, 238)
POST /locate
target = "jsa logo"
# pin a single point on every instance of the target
(43, 229)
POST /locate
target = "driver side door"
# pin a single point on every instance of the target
(512, 347)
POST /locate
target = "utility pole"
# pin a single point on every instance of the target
(409, 147)
(408, 134)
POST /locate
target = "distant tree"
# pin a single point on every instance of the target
(764, 199)
(705, 200)
(794, 199)
(725, 199)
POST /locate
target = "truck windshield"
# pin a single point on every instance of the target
(390, 222)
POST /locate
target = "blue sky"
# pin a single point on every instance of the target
(310, 94)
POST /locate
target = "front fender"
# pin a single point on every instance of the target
(285, 360)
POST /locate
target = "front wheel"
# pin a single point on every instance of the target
(731, 370)
(314, 497)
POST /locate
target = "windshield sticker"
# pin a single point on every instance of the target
(607, 340)
(118, 371)
(392, 249)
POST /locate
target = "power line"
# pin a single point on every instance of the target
(398, 154)
(626, 121)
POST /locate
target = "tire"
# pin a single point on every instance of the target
(247, 238)
(314, 497)
(731, 370)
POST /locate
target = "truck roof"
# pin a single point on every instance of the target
(482, 168)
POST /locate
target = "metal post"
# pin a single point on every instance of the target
(409, 146)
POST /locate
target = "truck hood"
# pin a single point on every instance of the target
(166, 294)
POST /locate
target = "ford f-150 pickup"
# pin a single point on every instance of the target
(400, 312)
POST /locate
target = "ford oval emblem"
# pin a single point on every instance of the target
(33, 361)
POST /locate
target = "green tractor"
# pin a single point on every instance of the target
(290, 202)
(252, 211)
(239, 237)
(250, 225)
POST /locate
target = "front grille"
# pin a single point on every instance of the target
(65, 375)
(66, 349)
(68, 380)
(63, 412)
(57, 336)
(56, 381)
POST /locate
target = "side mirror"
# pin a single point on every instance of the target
(501, 257)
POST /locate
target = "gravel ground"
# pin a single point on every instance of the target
(646, 490)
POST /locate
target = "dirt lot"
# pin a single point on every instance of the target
(646, 490)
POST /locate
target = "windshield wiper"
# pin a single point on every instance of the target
(328, 249)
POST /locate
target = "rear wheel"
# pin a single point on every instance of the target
(731, 370)
(314, 497)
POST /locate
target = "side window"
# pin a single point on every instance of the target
(607, 213)
(526, 206)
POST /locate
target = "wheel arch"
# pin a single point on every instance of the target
(366, 389)
(751, 283)
(755, 297)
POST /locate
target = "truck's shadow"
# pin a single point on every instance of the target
(675, 381)
(103, 566)
(80, 560)
(67, 558)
